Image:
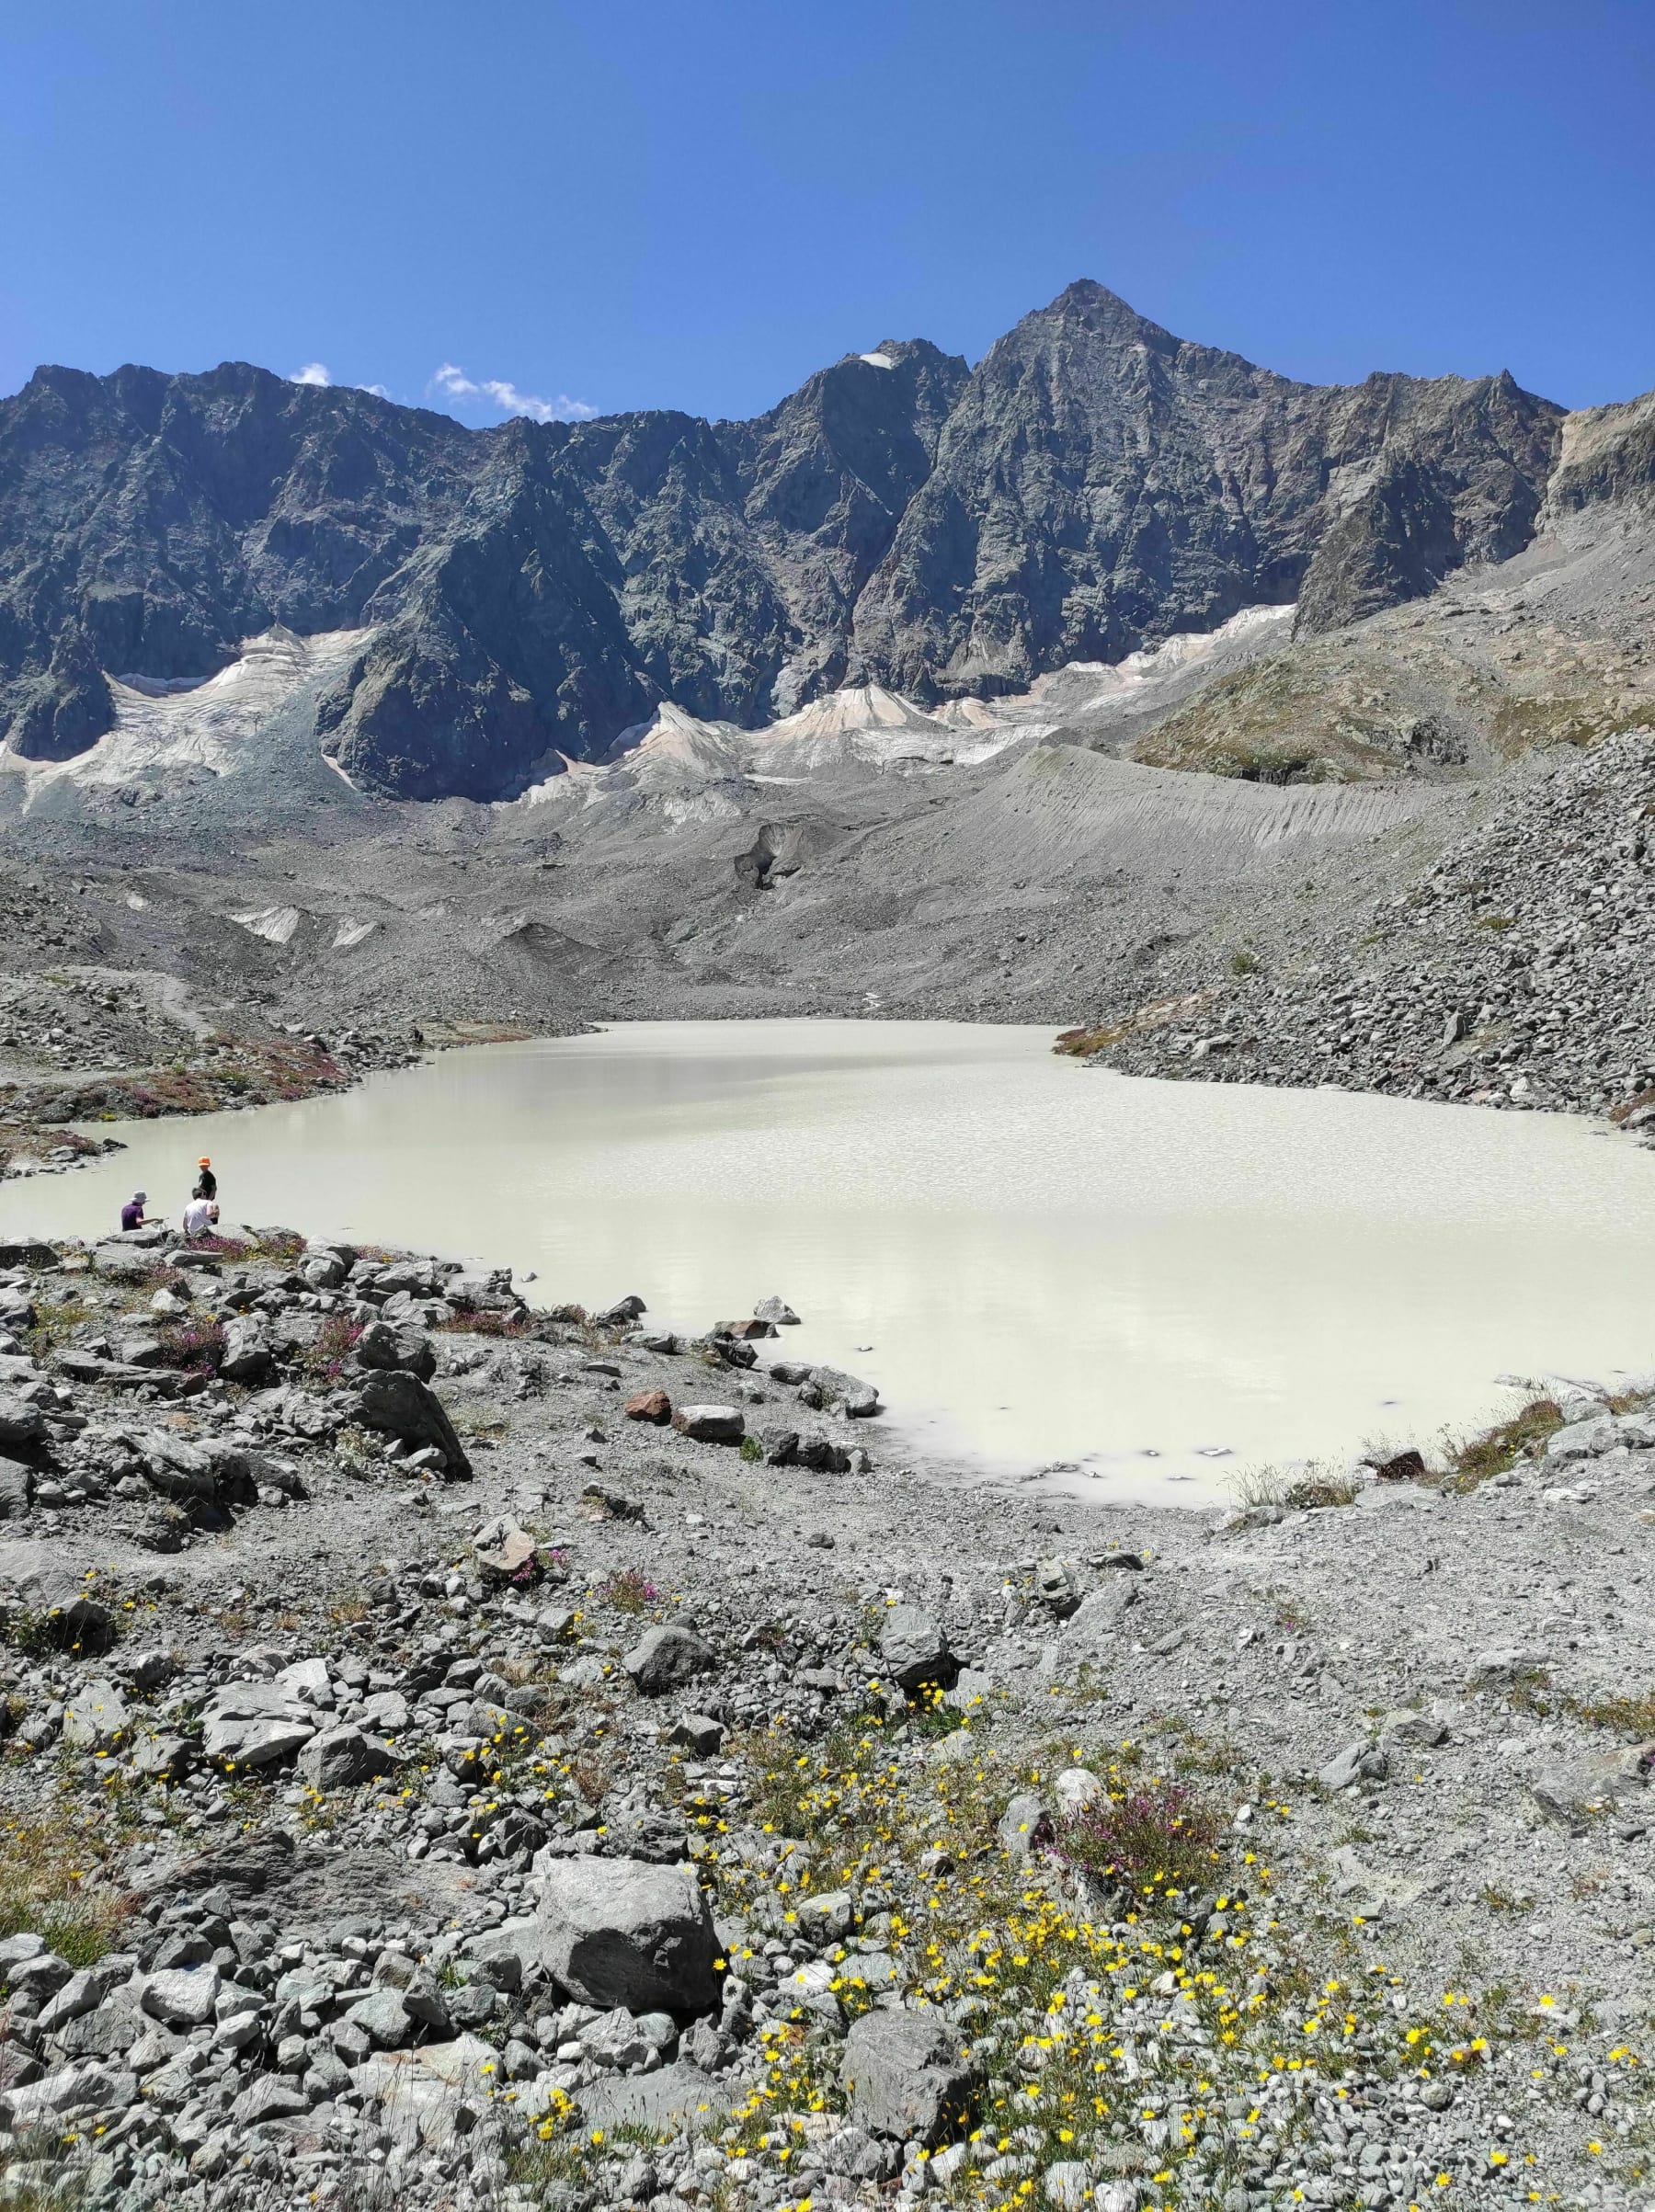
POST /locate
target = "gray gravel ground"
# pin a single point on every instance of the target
(342, 1850)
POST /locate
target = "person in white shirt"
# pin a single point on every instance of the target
(200, 1216)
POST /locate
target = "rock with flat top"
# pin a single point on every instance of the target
(254, 1723)
(710, 1424)
(97, 1719)
(622, 1932)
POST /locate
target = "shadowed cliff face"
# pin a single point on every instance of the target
(1094, 486)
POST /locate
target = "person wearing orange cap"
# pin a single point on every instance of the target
(205, 1181)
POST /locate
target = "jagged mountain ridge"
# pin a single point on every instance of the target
(1095, 484)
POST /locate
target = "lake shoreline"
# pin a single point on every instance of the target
(1234, 1277)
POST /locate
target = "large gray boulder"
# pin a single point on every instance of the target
(20, 1423)
(913, 1646)
(400, 1405)
(833, 1386)
(710, 1424)
(621, 1931)
(665, 1657)
(907, 2076)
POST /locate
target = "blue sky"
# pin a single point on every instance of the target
(561, 209)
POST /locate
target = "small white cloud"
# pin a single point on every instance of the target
(451, 382)
(313, 372)
(379, 391)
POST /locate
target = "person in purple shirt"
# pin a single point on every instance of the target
(131, 1214)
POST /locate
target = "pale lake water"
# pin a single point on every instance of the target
(1034, 1261)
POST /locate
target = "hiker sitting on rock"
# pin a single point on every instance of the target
(206, 1184)
(200, 1218)
(131, 1214)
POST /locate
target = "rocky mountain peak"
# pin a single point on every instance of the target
(1095, 307)
(1094, 486)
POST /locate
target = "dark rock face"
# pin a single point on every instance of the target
(1102, 484)
(533, 590)
(148, 523)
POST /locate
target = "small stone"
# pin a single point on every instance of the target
(503, 1548)
(341, 1757)
(383, 2018)
(1361, 1760)
(182, 1998)
(1075, 1788)
(698, 1734)
(1056, 1586)
(828, 1915)
(1024, 1827)
(623, 2041)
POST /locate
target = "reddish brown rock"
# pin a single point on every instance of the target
(649, 1406)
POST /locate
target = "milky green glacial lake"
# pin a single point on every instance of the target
(1034, 1261)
